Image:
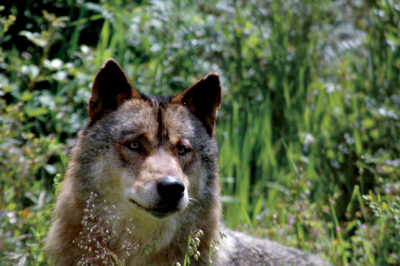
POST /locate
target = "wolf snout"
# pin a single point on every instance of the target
(170, 189)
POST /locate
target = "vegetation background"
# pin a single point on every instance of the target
(308, 131)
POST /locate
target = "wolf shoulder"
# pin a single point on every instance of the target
(237, 248)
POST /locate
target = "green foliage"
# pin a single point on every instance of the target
(308, 131)
(194, 239)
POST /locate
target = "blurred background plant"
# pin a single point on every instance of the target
(308, 131)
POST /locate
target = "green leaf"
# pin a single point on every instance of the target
(36, 112)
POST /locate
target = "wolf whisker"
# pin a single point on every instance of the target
(194, 201)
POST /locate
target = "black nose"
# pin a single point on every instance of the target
(170, 189)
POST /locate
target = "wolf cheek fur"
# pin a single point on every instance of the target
(143, 176)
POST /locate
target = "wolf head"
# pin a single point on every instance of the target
(151, 156)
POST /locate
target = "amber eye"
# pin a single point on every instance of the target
(134, 145)
(182, 150)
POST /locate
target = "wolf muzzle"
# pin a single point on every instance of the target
(171, 190)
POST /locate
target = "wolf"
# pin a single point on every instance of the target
(142, 185)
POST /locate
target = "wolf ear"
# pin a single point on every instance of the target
(203, 99)
(110, 89)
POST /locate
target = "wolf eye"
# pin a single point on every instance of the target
(134, 145)
(182, 150)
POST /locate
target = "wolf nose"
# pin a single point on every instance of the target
(170, 188)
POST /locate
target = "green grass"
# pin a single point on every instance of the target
(308, 130)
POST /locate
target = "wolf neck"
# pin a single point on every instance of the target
(166, 242)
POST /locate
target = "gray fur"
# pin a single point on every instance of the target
(102, 165)
(247, 250)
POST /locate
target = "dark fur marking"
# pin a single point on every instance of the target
(156, 100)
(160, 133)
(161, 104)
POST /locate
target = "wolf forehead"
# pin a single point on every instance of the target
(115, 100)
(156, 117)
